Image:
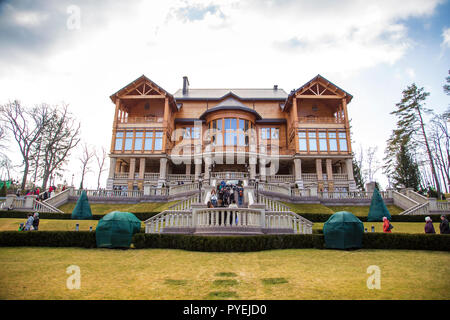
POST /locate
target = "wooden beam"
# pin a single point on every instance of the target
(156, 96)
(324, 96)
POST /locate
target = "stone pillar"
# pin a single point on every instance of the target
(319, 175)
(112, 167)
(330, 175)
(131, 173)
(298, 173)
(262, 170)
(207, 167)
(112, 170)
(141, 173)
(198, 170)
(162, 171)
(188, 169)
(29, 201)
(252, 171)
(351, 179)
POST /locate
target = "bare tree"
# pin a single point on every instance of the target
(59, 138)
(440, 141)
(26, 126)
(85, 159)
(101, 158)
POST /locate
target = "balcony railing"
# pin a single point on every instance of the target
(229, 175)
(181, 177)
(320, 120)
(148, 119)
(280, 178)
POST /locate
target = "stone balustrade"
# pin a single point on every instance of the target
(281, 178)
(229, 175)
(184, 188)
(286, 190)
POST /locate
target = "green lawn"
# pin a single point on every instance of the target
(104, 208)
(319, 208)
(40, 273)
(399, 227)
(12, 224)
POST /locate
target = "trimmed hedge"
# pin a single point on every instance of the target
(323, 217)
(83, 239)
(405, 241)
(86, 239)
(227, 243)
(62, 216)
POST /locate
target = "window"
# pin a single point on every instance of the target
(323, 141)
(119, 140)
(302, 141)
(312, 141)
(158, 140)
(230, 131)
(148, 141)
(138, 141)
(332, 141)
(128, 140)
(342, 141)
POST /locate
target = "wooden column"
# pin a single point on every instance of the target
(295, 117)
(347, 125)
(165, 124)
(116, 113)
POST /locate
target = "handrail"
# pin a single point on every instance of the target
(185, 204)
(183, 188)
(420, 209)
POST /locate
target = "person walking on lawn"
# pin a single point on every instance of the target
(29, 223)
(36, 221)
(386, 225)
(443, 226)
(429, 228)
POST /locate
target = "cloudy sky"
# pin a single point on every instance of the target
(81, 52)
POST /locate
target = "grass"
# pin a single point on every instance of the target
(308, 208)
(12, 224)
(40, 273)
(399, 227)
(364, 210)
(104, 208)
(226, 274)
(272, 281)
(319, 208)
(225, 282)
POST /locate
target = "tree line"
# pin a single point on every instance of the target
(46, 137)
(417, 153)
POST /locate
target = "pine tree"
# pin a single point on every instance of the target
(411, 125)
(357, 175)
(406, 173)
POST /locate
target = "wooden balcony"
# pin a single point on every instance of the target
(324, 120)
(140, 120)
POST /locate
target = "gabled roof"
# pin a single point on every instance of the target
(139, 81)
(230, 104)
(321, 80)
(242, 94)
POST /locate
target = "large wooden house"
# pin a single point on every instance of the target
(269, 135)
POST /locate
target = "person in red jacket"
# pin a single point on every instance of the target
(386, 225)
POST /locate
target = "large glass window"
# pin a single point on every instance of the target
(332, 141)
(158, 140)
(342, 141)
(302, 141)
(230, 131)
(128, 140)
(119, 140)
(148, 141)
(138, 141)
(323, 141)
(312, 141)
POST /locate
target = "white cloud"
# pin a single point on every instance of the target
(446, 38)
(223, 44)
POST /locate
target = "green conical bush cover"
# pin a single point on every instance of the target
(82, 210)
(116, 229)
(378, 208)
(343, 230)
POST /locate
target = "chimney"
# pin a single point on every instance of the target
(185, 85)
(275, 87)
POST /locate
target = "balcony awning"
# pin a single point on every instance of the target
(230, 104)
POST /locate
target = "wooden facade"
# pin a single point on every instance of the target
(160, 138)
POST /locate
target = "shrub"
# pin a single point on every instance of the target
(406, 241)
(226, 243)
(83, 239)
(323, 217)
